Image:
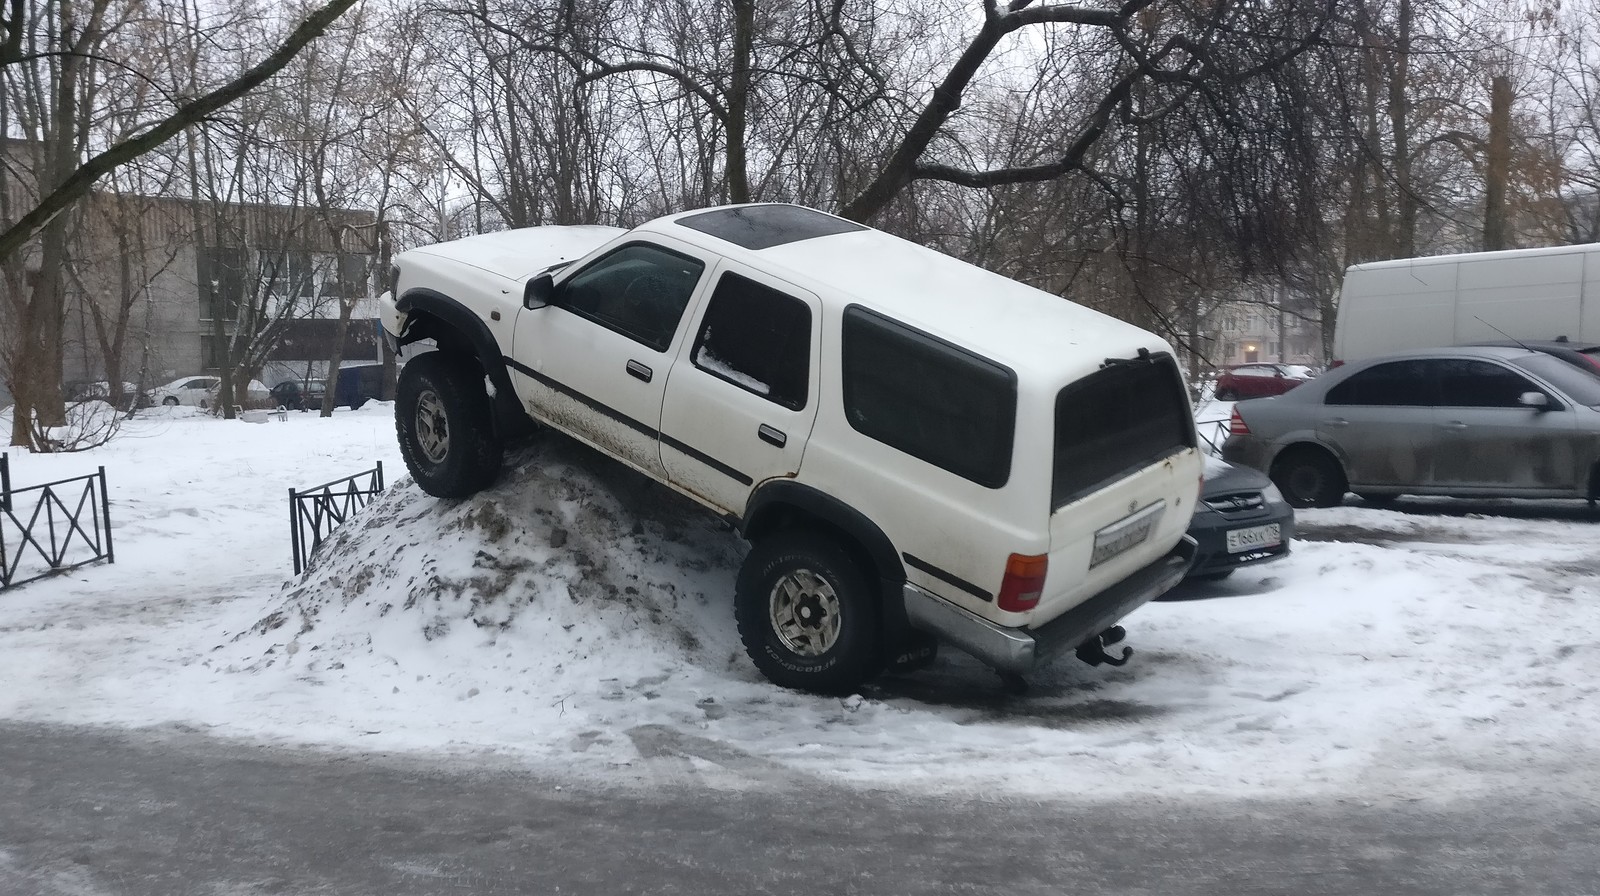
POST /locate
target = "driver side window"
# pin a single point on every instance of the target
(639, 291)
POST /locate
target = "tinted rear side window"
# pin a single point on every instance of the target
(1412, 383)
(757, 338)
(928, 398)
(1119, 419)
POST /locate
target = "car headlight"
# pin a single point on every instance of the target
(1272, 494)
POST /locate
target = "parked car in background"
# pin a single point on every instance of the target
(1471, 421)
(132, 396)
(299, 395)
(1241, 520)
(355, 385)
(1259, 380)
(201, 392)
(190, 391)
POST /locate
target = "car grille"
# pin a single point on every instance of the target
(1244, 502)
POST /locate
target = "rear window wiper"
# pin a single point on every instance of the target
(1143, 358)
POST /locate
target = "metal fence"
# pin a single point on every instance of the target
(49, 529)
(1212, 434)
(315, 512)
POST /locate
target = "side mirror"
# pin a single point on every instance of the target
(538, 292)
(1536, 400)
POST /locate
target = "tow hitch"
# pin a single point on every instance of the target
(1093, 651)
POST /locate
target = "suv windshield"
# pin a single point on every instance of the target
(1126, 416)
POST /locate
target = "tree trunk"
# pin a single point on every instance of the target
(1499, 167)
(744, 24)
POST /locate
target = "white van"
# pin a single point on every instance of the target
(1549, 293)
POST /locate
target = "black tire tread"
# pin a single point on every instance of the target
(475, 454)
(858, 655)
(1332, 482)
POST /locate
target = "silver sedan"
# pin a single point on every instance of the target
(1474, 421)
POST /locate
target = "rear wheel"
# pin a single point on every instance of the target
(1309, 477)
(443, 421)
(807, 615)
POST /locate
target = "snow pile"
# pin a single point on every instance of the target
(575, 565)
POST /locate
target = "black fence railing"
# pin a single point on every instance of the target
(315, 512)
(48, 529)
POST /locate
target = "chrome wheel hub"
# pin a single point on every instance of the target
(803, 611)
(433, 429)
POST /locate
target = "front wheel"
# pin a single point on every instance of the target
(1309, 477)
(807, 615)
(169, 401)
(444, 423)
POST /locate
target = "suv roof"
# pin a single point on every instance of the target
(926, 289)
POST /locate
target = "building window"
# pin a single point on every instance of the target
(219, 274)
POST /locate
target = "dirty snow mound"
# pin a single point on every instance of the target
(570, 560)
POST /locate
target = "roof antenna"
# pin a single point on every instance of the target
(1501, 332)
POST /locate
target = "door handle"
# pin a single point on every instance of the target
(1337, 421)
(772, 435)
(1453, 424)
(639, 371)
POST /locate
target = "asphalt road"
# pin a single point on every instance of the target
(96, 813)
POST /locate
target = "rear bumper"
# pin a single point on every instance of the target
(1022, 649)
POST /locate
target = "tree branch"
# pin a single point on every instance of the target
(78, 184)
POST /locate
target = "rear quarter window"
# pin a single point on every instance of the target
(928, 398)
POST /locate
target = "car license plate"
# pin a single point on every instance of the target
(1254, 537)
(1125, 533)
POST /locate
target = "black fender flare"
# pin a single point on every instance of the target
(781, 503)
(509, 416)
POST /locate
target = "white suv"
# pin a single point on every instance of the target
(914, 446)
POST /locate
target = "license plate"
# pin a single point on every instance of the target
(1125, 533)
(1254, 537)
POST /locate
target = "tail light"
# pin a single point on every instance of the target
(1335, 363)
(1024, 582)
(1236, 425)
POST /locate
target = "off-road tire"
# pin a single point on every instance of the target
(444, 422)
(832, 641)
(1309, 477)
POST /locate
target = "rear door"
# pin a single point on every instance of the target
(1382, 420)
(742, 396)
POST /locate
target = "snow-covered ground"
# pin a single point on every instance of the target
(577, 619)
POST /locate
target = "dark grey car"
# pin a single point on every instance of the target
(1241, 520)
(1473, 421)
